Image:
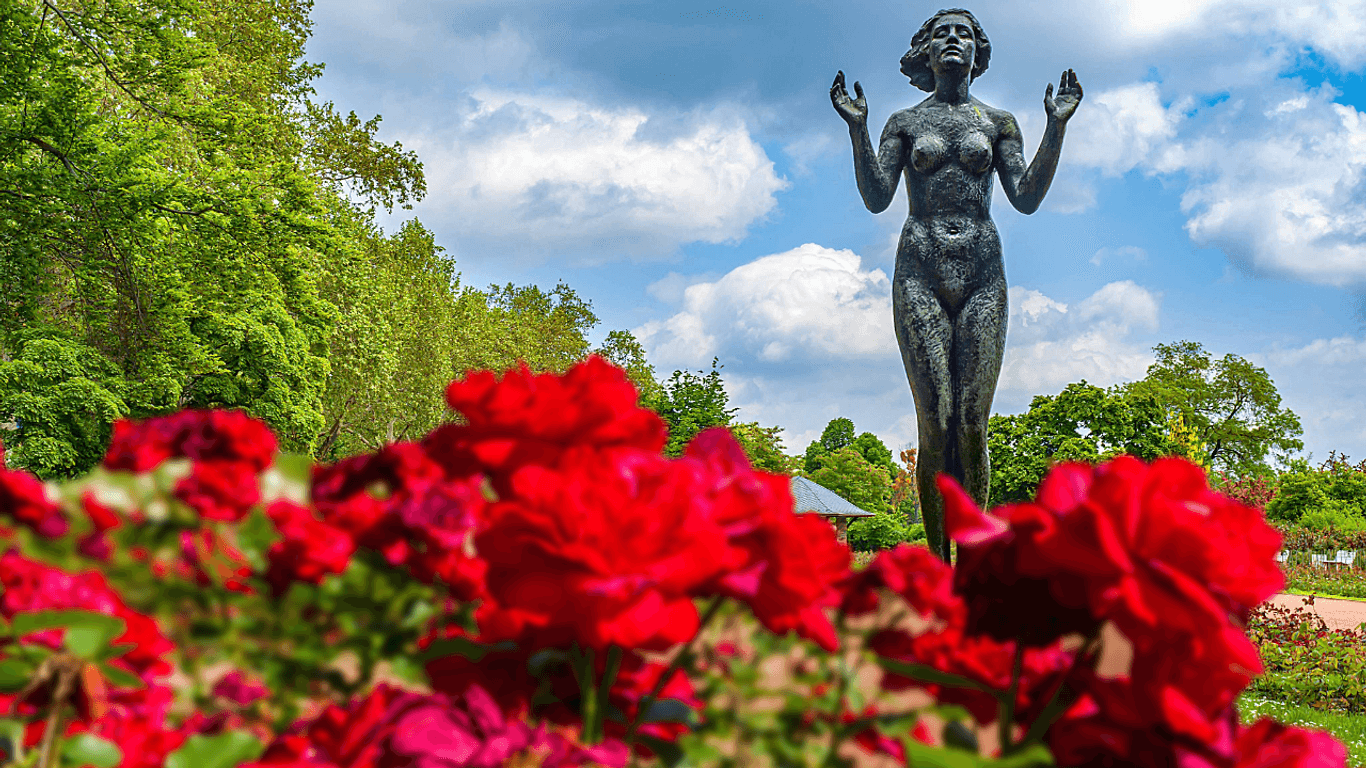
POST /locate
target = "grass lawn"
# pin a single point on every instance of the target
(1348, 729)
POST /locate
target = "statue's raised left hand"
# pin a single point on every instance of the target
(1069, 96)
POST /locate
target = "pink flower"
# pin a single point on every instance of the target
(235, 688)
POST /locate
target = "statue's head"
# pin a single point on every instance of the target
(917, 63)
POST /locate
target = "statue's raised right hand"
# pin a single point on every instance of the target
(855, 110)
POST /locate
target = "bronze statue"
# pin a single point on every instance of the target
(949, 289)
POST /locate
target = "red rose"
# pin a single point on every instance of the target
(309, 549)
(788, 566)
(203, 436)
(525, 418)
(604, 550)
(400, 503)
(911, 572)
(23, 498)
(220, 490)
(1269, 744)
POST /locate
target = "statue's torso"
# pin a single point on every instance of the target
(949, 154)
(949, 239)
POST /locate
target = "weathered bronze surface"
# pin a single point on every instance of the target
(949, 288)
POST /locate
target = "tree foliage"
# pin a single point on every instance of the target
(839, 433)
(1331, 495)
(1081, 423)
(1230, 405)
(171, 195)
(690, 402)
(186, 226)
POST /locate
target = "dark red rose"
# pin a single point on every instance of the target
(24, 499)
(202, 436)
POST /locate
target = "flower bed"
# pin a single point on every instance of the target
(541, 585)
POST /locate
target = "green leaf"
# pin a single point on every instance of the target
(27, 623)
(12, 740)
(89, 749)
(226, 750)
(959, 736)
(115, 651)
(14, 674)
(669, 711)
(928, 674)
(1035, 756)
(463, 646)
(926, 756)
(87, 642)
(120, 678)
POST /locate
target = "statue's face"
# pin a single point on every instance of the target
(952, 43)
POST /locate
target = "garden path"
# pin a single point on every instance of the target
(1337, 614)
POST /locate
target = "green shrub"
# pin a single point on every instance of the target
(1334, 515)
(1333, 494)
(883, 530)
(1306, 662)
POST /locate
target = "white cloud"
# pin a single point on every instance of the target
(1276, 179)
(1335, 28)
(536, 173)
(1321, 383)
(809, 301)
(806, 336)
(1282, 190)
(1119, 129)
(1125, 252)
(1051, 344)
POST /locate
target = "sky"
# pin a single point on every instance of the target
(679, 164)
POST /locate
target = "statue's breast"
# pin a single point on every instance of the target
(928, 153)
(974, 152)
(931, 150)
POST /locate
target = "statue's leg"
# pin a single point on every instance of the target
(925, 335)
(979, 344)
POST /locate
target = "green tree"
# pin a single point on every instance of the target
(1230, 405)
(764, 446)
(1330, 495)
(61, 399)
(626, 352)
(1081, 423)
(839, 433)
(866, 485)
(171, 196)
(691, 402)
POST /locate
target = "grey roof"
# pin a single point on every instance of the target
(810, 496)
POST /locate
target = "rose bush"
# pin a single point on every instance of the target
(536, 584)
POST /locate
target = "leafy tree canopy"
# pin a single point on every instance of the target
(845, 471)
(839, 433)
(690, 402)
(1081, 423)
(171, 196)
(1230, 405)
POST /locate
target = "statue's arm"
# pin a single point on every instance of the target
(877, 171)
(1025, 186)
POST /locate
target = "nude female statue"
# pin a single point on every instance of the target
(949, 288)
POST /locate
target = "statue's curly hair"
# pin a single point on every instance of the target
(916, 63)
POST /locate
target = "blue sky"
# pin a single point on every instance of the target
(680, 165)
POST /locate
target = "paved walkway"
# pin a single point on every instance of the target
(1337, 614)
